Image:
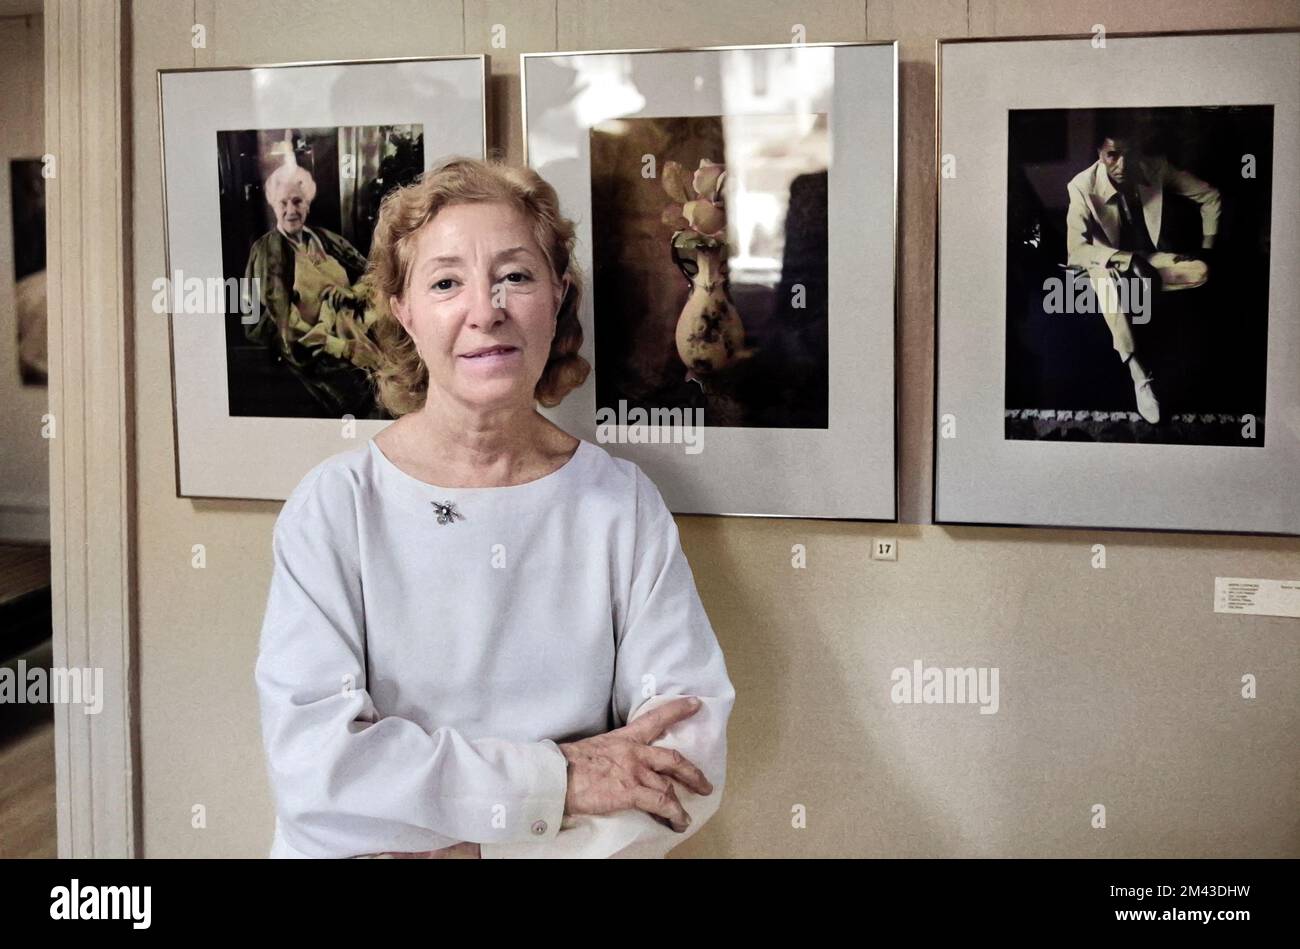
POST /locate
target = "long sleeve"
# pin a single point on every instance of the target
(666, 649)
(345, 780)
(266, 295)
(1082, 248)
(1205, 195)
(253, 300)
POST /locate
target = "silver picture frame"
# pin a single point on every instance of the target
(219, 455)
(982, 477)
(847, 469)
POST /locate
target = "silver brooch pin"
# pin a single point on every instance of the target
(446, 511)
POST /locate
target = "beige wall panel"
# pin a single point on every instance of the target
(197, 628)
(636, 24)
(1117, 686)
(503, 30)
(915, 26)
(246, 32)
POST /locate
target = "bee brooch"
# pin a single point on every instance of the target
(446, 511)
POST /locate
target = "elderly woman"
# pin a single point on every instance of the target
(482, 636)
(317, 308)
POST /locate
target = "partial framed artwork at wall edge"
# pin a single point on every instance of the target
(1116, 332)
(273, 177)
(736, 215)
(27, 207)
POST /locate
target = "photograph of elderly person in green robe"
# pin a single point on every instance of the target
(298, 212)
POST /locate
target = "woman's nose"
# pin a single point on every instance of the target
(488, 304)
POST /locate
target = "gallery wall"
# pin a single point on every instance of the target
(1118, 686)
(24, 454)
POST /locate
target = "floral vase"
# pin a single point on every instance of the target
(710, 335)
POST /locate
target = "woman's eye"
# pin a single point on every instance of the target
(518, 276)
(444, 284)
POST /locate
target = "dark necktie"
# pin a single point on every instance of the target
(1133, 234)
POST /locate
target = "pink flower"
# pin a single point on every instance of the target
(705, 217)
(708, 178)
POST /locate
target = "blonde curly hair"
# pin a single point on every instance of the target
(402, 378)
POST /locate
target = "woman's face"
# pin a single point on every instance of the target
(291, 208)
(481, 304)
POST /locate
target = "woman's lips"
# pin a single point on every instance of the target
(493, 357)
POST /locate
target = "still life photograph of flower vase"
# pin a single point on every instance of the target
(710, 334)
(736, 213)
(709, 278)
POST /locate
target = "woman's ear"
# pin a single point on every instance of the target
(565, 284)
(399, 310)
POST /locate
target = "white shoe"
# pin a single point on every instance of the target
(1147, 405)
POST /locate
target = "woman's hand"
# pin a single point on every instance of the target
(620, 770)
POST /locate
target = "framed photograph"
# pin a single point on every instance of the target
(1117, 338)
(735, 209)
(273, 177)
(27, 204)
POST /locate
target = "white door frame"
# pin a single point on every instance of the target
(91, 467)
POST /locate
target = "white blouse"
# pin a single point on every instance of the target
(418, 665)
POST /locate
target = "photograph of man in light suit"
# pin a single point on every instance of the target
(1113, 233)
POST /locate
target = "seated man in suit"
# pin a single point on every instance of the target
(1113, 232)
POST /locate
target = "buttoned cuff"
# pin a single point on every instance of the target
(543, 808)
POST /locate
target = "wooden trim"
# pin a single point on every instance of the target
(86, 130)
